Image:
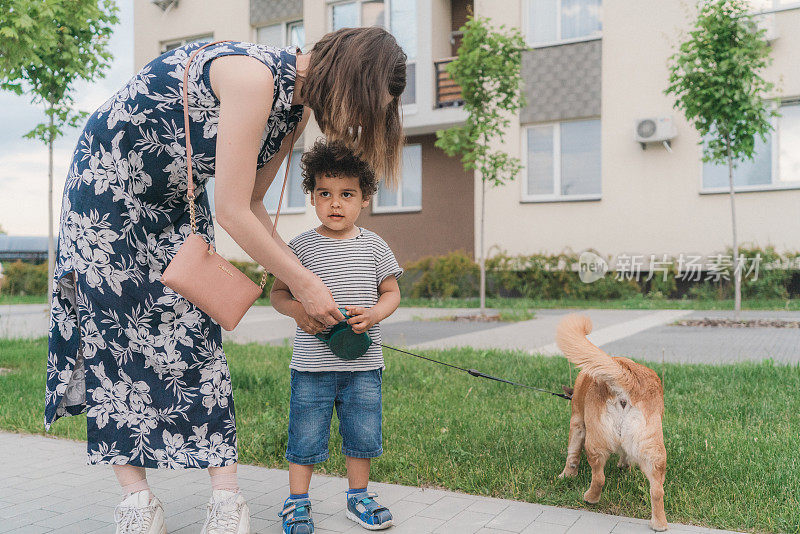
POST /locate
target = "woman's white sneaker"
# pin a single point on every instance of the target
(140, 513)
(227, 513)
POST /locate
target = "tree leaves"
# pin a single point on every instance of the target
(716, 79)
(488, 70)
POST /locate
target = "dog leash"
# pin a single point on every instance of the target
(478, 374)
(348, 345)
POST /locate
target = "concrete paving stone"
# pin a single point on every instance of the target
(403, 510)
(13, 523)
(60, 521)
(549, 528)
(82, 527)
(182, 519)
(626, 526)
(465, 522)
(446, 508)
(389, 494)
(25, 507)
(417, 525)
(588, 521)
(488, 505)
(31, 529)
(336, 522)
(426, 496)
(559, 516)
(515, 517)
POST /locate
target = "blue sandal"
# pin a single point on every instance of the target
(296, 517)
(362, 508)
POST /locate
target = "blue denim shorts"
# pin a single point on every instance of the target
(357, 398)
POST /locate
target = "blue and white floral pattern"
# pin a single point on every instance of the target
(145, 364)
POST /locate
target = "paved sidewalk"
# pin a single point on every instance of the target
(47, 487)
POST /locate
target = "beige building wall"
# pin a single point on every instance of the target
(651, 201)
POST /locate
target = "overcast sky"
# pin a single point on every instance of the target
(23, 162)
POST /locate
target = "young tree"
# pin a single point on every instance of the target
(74, 45)
(488, 70)
(716, 79)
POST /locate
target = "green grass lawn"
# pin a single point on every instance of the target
(731, 431)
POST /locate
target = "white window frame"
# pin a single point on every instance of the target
(777, 6)
(285, 209)
(409, 108)
(557, 41)
(399, 208)
(775, 169)
(284, 31)
(525, 197)
(186, 40)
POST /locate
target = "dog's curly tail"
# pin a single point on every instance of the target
(571, 339)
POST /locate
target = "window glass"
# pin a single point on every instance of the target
(789, 139)
(345, 16)
(543, 20)
(580, 157)
(293, 197)
(757, 171)
(404, 25)
(297, 34)
(412, 176)
(409, 194)
(270, 35)
(540, 160)
(579, 18)
(372, 13)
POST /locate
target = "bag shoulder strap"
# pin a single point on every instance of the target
(187, 138)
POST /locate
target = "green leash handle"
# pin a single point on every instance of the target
(343, 342)
(326, 336)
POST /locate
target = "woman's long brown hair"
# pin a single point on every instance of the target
(350, 72)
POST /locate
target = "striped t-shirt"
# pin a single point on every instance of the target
(352, 269)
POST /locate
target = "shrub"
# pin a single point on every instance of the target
(23, 278)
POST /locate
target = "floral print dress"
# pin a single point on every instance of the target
(146, 365)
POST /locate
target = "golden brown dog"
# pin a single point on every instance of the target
(617, 406)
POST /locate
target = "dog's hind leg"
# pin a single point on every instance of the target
(655, 473)
(577, 435)
(597, 460)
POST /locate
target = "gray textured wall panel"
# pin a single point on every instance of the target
(562, 82)
(263, 12)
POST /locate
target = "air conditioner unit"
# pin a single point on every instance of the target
(654, 130)
(765, 21)
(165, 5)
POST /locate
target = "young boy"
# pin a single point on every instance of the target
(361, 272)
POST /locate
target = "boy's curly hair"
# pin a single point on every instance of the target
(336, 159)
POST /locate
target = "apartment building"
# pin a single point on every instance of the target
(594, 72)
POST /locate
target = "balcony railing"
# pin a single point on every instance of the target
(448, 92)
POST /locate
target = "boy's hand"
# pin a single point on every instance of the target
(362, 319)
(307, 323)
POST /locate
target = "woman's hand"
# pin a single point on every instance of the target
(317, 300)
(307, 324)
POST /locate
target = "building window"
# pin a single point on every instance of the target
(766, 6)
(166, 46)
(283, 34)
(402, 23)
(775, 163)
(551, 22)
(562, 161)
(408, 196)
(294, 200)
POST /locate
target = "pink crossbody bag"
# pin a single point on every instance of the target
(197, 272)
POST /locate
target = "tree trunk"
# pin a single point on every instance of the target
(483, 260)
(737, 271)
(51, 252)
